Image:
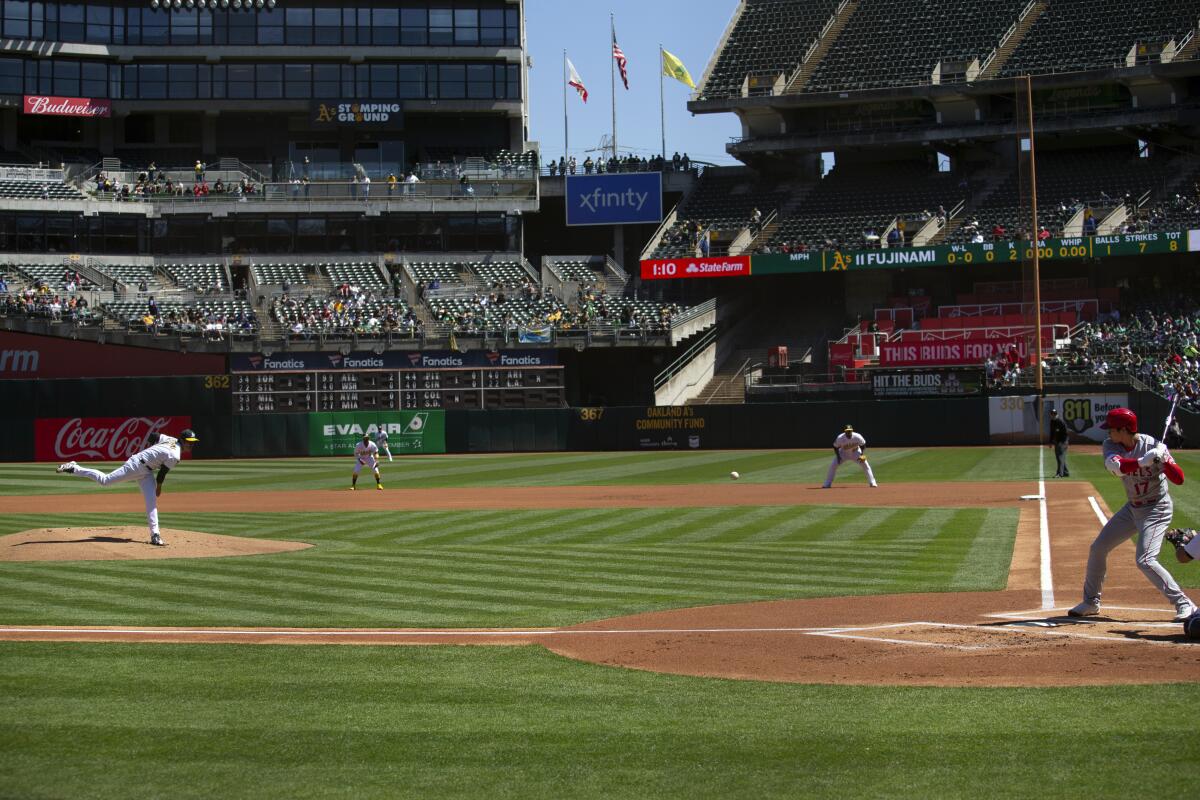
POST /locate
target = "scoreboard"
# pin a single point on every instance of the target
(313, 382)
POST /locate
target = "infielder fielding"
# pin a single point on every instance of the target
(849, 447)
(164, 454)
(381, 439)
(1144, 468)
(366, 454)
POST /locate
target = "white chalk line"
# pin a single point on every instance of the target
(1047, 577)
(1096, 508)
(856, 633)
(398, 632)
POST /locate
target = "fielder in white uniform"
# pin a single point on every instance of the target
(1144, 468)
(381, 438)
(849, 447)
(366, 454)
(163, 455)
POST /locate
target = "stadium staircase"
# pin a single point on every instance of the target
(728, 386)
(994, 62)
(822, 45)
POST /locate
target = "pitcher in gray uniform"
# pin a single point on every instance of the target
(1144, 468)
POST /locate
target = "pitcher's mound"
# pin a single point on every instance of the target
(130, 542)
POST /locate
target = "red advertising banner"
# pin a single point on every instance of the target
(953, 353)
(718, 267)
(50, 106)
(100, 438)
(26, 356)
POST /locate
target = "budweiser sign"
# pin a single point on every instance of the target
(44, 105)
(100, 438)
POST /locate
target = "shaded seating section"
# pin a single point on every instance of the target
(1067, 181)
(129, 274)
(505, 274)
(198, 277)
(898, 43)
(38, 190)
(853, 199)
(770, 36)
(720, 202)
(624, 312)
(207, 317)
(364, 275)
(1095, 34)
(577, 270)
(55, 276)
(364, 313)
(442, 271)
(501, 311)
(275, 274)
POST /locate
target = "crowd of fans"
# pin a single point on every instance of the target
(346, 310)
(156, 183)
(630, 163)
(194, 321)
(39, 300)
(1159, 345)
(1180, 211)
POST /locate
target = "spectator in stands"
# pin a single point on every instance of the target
(902, 228)
(366, 187)
(1043, 234)
(152, 306)
(391, 183)
(676, 161)
(553, 168)
(410, 183)
(588, 165)
(199, 170)
(571, 164)
(893, 237)
(755, 221)
(685, 163)
(3, 285)
(464, 184)
(354, 186)
(295, 184)
(307, 186)
(998, 232)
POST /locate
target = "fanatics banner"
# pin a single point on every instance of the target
(44, 105)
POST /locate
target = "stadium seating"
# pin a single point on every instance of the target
(51, 275)
(362, 314)
(1094, 34)
(506, 274)
(276, 274)
(854, 198)
(363, 275)
(1100, 177)
(898, 43)
(38, 190)
(198, 277)
(203, 316)
(720, 202)
(444, 272)
(770, 36)
(129, 274)
(577, 270)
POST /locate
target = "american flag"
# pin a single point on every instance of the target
(619, 55)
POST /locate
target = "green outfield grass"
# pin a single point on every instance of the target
(244, 721)
(805, 467)
(181, 721)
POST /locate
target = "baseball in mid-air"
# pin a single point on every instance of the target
(733, 476)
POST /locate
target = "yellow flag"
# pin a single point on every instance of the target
(674, 68)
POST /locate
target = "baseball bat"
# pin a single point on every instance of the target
(1170, 416)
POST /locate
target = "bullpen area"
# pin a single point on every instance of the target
(599, 624)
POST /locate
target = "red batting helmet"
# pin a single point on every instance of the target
(1120, 418)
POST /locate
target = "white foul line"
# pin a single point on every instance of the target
(1047, 577)
(399, 632)
(1099, 514)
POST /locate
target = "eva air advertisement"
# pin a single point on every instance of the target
(336, 433)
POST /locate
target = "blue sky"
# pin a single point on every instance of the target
(690, 30)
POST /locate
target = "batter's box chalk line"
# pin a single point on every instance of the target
(1059, 616)
(864, 633)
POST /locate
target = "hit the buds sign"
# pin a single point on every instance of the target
(100, 438)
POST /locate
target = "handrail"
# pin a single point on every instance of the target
(689, 355)
(693, 312)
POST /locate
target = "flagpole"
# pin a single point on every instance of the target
(612, 74)
(566, 129)
(662, 106)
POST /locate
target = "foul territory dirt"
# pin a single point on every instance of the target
(1015, 637)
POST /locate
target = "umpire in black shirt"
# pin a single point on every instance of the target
(1058, 438)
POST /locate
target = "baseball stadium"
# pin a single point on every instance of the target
(362, 441)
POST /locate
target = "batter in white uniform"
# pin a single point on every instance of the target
(381, 438)
(163, 455)
(1144, 469)
(366, 454)
(849, 447)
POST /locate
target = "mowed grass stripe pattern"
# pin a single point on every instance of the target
(512, 568)
(805, 468)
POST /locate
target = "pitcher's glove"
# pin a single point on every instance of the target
(1180, 538)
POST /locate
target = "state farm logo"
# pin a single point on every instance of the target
(108, 443)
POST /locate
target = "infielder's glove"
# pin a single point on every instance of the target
(862, 458)
(1180, 537)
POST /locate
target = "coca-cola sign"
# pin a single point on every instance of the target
(100, 438)
(46, 105)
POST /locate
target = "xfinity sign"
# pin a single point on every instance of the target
(615, 199)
